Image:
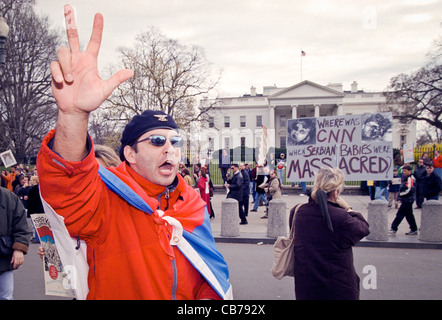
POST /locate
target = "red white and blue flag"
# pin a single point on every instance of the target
(195, 242)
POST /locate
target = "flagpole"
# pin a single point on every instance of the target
(302, 54)
(301, 65)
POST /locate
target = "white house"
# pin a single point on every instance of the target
(239, 121)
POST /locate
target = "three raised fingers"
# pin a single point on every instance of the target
(62, 69)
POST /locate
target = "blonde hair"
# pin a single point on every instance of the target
(328, 180)
(107, 155)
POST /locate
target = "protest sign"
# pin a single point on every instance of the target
(360, 145)
(408, 152)
(57, 279)
(8, 158)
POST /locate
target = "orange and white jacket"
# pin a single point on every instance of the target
(129, 255)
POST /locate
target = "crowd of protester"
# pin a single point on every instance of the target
(23, 182)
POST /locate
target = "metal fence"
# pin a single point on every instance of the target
(249, 155)
(216, 177)
(429, 149)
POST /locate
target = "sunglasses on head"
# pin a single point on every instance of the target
(158, 140)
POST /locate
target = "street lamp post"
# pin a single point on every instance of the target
(4, 31)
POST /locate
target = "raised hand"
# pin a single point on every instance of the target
(78, 88)
(76, 85)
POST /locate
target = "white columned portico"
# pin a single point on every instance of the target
(317, 110)
(340, 109)
(294, 111)
(272, 117)
(271, 136)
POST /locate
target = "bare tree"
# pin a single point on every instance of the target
(168, 76)
(419, 94)
(426, 137)
(103, 131)
(27, 108)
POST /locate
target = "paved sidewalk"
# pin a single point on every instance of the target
(417, 278)
(256, 230)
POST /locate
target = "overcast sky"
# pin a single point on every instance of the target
(259, 42)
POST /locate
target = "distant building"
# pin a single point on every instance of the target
(238, 121)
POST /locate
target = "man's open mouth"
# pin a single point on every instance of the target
(167, 166)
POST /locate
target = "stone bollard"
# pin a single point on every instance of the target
(431, 221)
(277, 220)
(378, 220)
(229, 218)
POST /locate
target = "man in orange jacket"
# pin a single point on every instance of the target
(131, 252)
(9, 179)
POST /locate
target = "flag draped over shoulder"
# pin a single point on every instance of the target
(195, 242)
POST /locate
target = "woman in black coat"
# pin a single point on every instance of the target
(326, 228)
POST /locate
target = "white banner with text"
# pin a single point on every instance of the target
(360, 145)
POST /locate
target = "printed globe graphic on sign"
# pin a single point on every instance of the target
(53, 273)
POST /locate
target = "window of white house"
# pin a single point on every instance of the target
(403, 140)
(282, 142)
(282, 121)
(226, 122)
(259, 121)
(211, 122)
(227, 143)
(211, 144)
(242, 121)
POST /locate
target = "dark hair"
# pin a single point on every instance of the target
(430, 164)
(407, 167)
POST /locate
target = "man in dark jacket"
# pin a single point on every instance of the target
(420, 173)
(432, 184)
(246, 188)
(15, 235)
(235, 185)
(407, 194)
